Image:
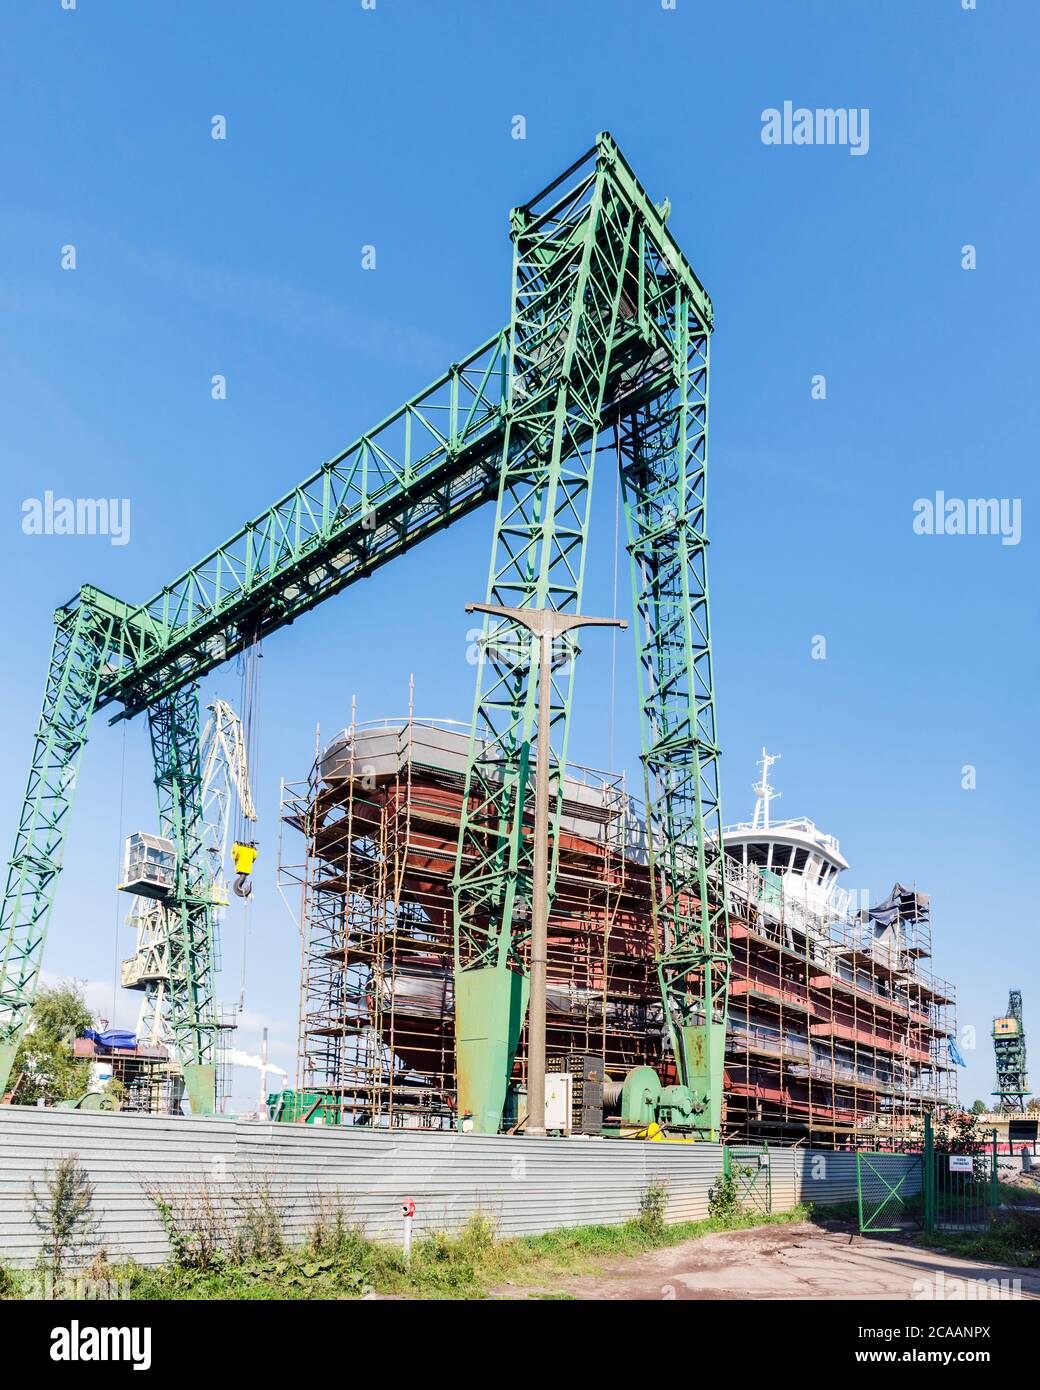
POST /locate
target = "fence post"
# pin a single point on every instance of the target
(995, 1185)
(859, 1186)
(928, 1176)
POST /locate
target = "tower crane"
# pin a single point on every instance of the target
(1009, 1047)
(605, 352)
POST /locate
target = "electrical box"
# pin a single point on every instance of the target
(558, 1102)
(149, 865)
(586, 1081)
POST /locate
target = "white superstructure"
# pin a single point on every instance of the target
(809, 860)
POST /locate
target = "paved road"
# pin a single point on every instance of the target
(799, 1261)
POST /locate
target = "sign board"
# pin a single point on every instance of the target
(961, 1163)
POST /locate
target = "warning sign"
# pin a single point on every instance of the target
(961, 1163)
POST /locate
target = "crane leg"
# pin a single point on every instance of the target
(82, 638)
(570, 257)
(662, 452)
(173, 723)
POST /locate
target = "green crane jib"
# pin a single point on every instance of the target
(607, 348)
(1009, 1048)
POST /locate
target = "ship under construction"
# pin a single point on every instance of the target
(837, 1033)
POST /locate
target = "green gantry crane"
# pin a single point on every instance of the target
(1009, 1047)
(606, 349)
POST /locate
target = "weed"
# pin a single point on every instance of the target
(63, 1212)
(653, 1204)
(724, 1205)
(330, 1232)
(258, 1230)
(195, 1222)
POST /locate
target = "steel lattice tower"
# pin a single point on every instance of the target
(1009, 1047)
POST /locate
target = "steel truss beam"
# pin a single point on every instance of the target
(430, 462)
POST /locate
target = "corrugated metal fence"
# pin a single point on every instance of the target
(524, 1185)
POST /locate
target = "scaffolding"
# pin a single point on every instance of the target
(832, 1039)
(836, 1037)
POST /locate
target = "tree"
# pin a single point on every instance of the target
(979, 1108)
(63, 1213)
(45, 1066)
(957, 1132)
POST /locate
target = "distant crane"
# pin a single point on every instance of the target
(1009, 1046)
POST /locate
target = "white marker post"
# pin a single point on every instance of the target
(408, 1211)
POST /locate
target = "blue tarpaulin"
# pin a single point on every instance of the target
(114, 1037)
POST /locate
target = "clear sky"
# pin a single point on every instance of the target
(393, 127)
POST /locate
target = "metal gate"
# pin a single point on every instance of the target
(951, 1186)
(749, 1168)
(960, 1183)
(889, 1190)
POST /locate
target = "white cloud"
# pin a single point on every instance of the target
(243, 1059)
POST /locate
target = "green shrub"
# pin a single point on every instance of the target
(724, 1205)
(653, 1205)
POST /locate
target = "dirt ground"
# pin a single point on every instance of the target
(799, 1261)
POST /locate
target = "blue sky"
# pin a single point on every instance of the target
(392, 127)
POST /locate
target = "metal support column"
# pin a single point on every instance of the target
(173, 723)
(570, 252)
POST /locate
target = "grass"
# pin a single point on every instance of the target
(343, 1263)
(340, 1262)
(1011, 1194)
(1012, 1239)
(1005, 1243)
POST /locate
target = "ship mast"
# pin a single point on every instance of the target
(764, 793)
